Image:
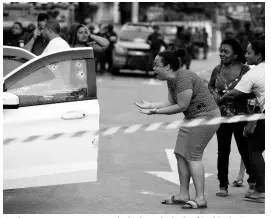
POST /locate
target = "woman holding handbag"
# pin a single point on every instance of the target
(254, 82)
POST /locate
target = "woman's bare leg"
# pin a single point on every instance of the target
(197, 172)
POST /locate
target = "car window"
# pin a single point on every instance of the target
(10, 63)
(168, 30)
(60, 82)
(131, 33)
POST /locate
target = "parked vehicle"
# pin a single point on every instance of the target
(51, 120)
(168, 30)
(131, 50)
(14, 57)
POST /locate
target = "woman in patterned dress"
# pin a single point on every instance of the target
(224, 78)
(187, 93)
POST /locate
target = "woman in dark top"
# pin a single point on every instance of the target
(224, 78)
(80, 37)
(187, 93)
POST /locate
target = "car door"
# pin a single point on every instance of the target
(14, 57)
(52, 137)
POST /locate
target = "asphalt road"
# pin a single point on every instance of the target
(135, 169)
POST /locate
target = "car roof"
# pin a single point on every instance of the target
(170, 23)
(16, 51)
(164, 23)
(137, 26)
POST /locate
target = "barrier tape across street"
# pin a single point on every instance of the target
(136, 127)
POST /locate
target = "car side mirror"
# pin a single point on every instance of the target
(10, 100)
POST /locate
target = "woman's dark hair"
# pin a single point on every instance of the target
(18, 23)
(258, 46)
(237, 49)
(172, 58)
(73, 34)
(42, 17)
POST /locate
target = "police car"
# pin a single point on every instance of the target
(131, 50)
(51, 118)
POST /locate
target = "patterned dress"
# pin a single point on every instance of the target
(191, 141)
(236, 107)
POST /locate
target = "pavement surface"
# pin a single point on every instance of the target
(136, 170)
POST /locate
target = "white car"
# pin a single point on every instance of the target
(51, 120)
(14, 57)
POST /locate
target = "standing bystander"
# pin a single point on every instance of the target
(155, 40)
(254, 82)
(35, 42)
(51, 33)
(17, 35)
(188, 94)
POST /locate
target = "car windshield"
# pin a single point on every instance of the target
(135, 33)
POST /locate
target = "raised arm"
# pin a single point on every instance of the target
(31, 42)
(100, 44)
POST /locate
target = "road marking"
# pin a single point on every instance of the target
(111, 130)
(152, 193)
(133, 128)
(152, 82)
(153, 127)
(171, 176)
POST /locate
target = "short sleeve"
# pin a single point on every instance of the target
(184, 82)
(245, 84)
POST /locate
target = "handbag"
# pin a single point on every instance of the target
(251, 125)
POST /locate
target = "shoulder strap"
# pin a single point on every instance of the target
(241, 72)
(220, 69)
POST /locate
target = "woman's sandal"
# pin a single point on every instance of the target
(192, 204)
(256, 200)
(172, 200)
(252, 197)
(238, 183)
(249, 192)
(223, 192)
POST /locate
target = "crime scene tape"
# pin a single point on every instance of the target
(136, 127)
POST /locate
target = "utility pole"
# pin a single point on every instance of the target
(71, 15)
(81, 12)
(116, 13)
(135, 12)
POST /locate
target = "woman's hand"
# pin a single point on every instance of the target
(143, 104)
(148, 111)
(88, 32)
